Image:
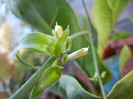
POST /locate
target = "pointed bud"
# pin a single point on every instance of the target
(78, 54)
(68, 44)
(64, 58)
(58, 31)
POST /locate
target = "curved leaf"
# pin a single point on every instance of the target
(105, 15)
(69, 88)
(123, 88)
(37, 42)
(23, 62)
(48, 78)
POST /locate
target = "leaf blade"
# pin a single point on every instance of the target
(37, 42)
(123, 88)
(105, 15)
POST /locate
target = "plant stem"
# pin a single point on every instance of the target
(96, 66)
(78, 34)
(24, 89)
(93, 51)
(90, 24)
(91, 27)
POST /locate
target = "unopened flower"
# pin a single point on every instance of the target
(58, 30)
(77, 54)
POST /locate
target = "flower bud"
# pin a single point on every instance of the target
(78, 54)
(68, 45)
(64, 58)
(58, 31)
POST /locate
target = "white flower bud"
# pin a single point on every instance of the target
(77, 54)
(58, 30)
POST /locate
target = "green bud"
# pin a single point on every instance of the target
(61, 41)
(67, 46)
(64, 58)
(78, 54)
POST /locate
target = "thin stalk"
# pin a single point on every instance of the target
(96, 66)
(93, 51)
(90, 24)
(78, 34)
(94, 58)
(24, 89)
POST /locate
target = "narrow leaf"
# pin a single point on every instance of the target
(23, 62)
(48, 78)
(119, 35)
(124, 57)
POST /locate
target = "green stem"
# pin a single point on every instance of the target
(93, 51)
(96, 66)
(24, 89)
(90, 24)
(91, 27)
(78, 34)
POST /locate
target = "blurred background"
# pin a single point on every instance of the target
(13, 74)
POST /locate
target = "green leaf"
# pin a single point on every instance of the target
(124, 57)
(123, 88)
(43, 14)
(60, 42)
(119, 35)
(48, 78)
(105, 15)
(23, 62)
(69, 88)
(37, 42)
